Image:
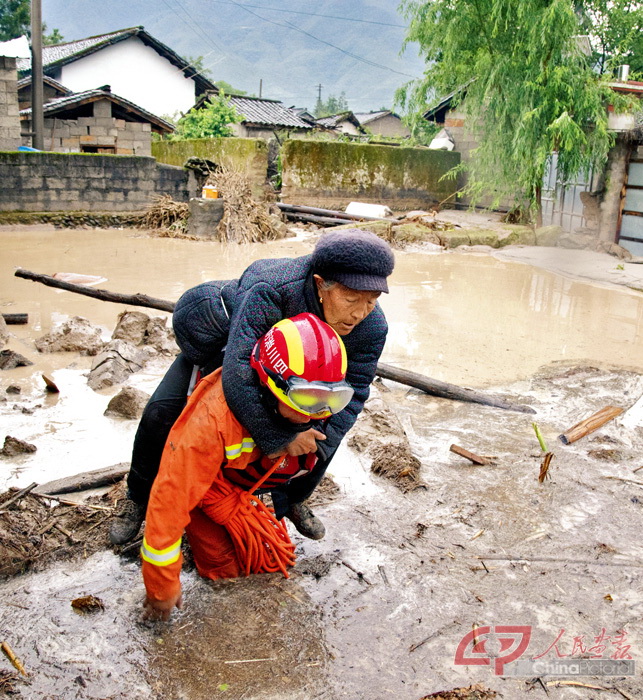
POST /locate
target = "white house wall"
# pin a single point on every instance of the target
(137, 73)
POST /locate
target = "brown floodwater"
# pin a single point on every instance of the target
(466, 318)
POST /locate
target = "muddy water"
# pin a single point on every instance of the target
(391, 633)
(464, 318)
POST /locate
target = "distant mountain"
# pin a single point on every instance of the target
(245, 42)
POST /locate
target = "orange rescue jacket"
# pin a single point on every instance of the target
(205, 438)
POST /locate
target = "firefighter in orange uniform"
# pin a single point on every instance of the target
(211, 466)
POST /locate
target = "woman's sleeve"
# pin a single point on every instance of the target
(199, 322)
(364, 351)
(257, 313)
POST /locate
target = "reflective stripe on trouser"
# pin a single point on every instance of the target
(161, 557)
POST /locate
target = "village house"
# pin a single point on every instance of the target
(344, 123)
(383, 123)
(261, 118)
(140, 69)
(94, 121)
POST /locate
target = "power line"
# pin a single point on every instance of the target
(289, 25)
(311, 14)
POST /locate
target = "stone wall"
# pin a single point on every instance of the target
(9, 118)
(248, 155)
(47, 182)
(332, 174)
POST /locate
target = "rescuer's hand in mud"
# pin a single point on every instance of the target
(304, 443)
(154, 610)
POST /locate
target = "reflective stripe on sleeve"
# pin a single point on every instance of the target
(234, 451)
(161, 557)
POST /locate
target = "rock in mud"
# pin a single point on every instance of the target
(13, 446)
(139, 329)
(131, 326)
(13, 389)
(75, 335)
(160, 337)
(10, 360)
(114, 365)
(128, 403)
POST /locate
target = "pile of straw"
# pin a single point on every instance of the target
(167, 218)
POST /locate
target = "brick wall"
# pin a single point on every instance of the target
(9, 119)
(86, 182)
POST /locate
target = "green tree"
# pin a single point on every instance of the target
(333, 105)
(15, 21)
(213, 119)
(530, 90)
(15, 18)
(228, 89)
(615, 29)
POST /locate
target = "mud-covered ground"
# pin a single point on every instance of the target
(379, 607)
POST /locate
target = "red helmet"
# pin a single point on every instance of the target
(302, 360)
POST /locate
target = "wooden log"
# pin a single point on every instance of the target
(418, 381)
(445, 390)
(85, 480)
(312, 219)
(471, 456)
(325, 212)
(16, 319)
(589, 425)
(102, 294)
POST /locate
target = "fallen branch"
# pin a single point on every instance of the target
(418, 381)
(559, 560)
(471, 456)
(589, 425)
(65, 502)
(102, 294)
(444, 390)
(333, 213)
(544, 467)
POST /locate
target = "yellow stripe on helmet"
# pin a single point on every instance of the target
(296, 359)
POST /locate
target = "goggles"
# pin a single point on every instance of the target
(313, 398)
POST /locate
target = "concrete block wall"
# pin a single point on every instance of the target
(46, 182)
(9, 117)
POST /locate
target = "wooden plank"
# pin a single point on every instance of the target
(16, 319)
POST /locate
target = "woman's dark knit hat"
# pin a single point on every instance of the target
(355, 258)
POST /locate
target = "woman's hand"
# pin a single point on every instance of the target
(154, 610)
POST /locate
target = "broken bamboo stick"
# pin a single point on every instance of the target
(102, 294)
(589, 425)
(418, 381)
(15, 661)
(445, 390)
(471, 456)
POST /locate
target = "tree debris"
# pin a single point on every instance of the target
(473, 692)
(15, 661)
(589, 425)
(88, 604)
(544, 467)
(471, 456)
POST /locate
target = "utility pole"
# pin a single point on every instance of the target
(318, 106)
(260, 86)
(37, 97)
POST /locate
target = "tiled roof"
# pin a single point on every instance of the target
(61, 54)
(366, 117)
(46, 79)
(76, 99)
(256, 110)
(332, 121)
